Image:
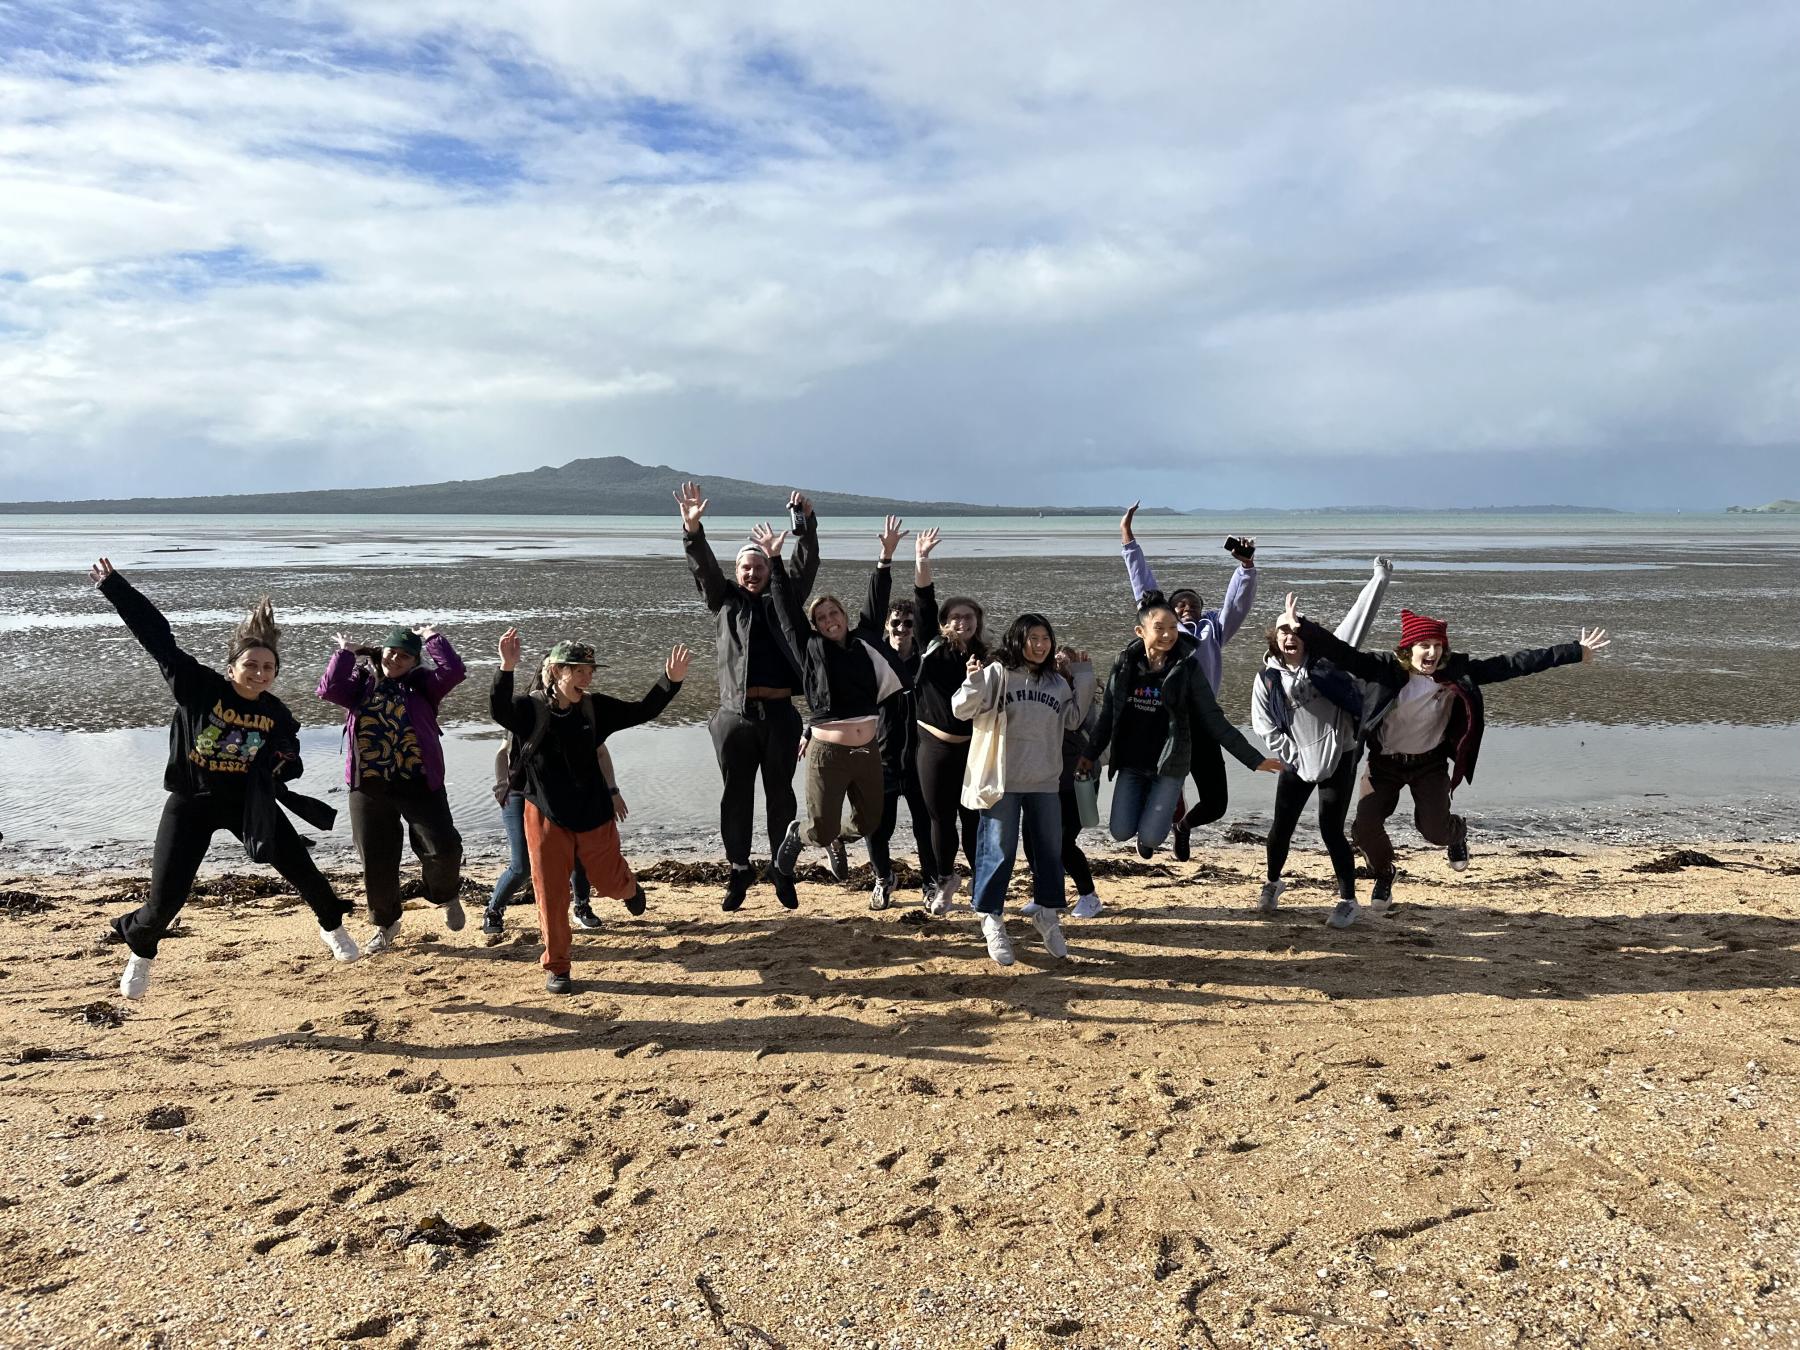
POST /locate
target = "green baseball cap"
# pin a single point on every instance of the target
(572, 654)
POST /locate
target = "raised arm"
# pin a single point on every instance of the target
(980, 690)
(790, 615)
(923, 543)
(1321, 641)
(806, 544)
(615, 714)
(186, 677)
(346, 682)
(715, 589)
(1493, 669)
(1240, 594)
(1356, 624)
(447, 668)
(873, 619)
(510, 710)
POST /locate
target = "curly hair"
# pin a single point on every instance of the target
(1012, 646)
(257, 629)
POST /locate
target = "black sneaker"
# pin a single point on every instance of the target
(840, 859)
(634, 903)
(1180, 844)
(559, 984)
(788, 854)
(493, 925)
(737, 888)
(1458, 850)
(1382, 896)
(785, 892)
(584, 915)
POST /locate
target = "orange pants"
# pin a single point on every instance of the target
(553, 850)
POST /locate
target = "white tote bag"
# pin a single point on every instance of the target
(984, 780)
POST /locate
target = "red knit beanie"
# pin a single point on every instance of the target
(1416, 628)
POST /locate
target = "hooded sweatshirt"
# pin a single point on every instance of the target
(1215, 627)
(1188, 706)
(353, 686)
(1309, 717)
(1039, 710)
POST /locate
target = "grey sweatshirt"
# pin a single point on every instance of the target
(1319, 733)
(1039, 710)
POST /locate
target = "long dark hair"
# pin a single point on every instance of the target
(1012, 646)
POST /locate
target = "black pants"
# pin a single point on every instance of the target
(188, 825)
(1335, 796)
(377, 812)
(1074, 861)
(894, 787)
(941, 766)
(1208, 770)
(763, 739)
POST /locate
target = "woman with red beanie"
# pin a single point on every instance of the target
(1423, 729)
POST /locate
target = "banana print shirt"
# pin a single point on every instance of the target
(387, 747)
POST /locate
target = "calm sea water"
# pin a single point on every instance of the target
(1695, 705)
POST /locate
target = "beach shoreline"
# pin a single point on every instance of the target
(1552, 1100)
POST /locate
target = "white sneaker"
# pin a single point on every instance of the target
(342, 945)
(993, 928)
(379, 941)
(136, 978)
(1086, 907)
(1031, 909)
(1049, 926)
(1271, 896)
(947, 892)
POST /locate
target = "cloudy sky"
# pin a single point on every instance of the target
(1211, 254)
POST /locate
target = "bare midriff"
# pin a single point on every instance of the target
(851, 731)
(949, 738)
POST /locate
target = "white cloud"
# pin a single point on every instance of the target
(875, 242)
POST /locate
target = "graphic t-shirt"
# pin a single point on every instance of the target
(231, 734)
(387, 747)
(1143, 722)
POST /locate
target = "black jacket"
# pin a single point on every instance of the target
(842, 679)
(1464, 674)
(212, 718)
(738, 610)
(560, 749)
(1190, 704)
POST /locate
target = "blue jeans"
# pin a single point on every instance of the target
(518, 866)
(997, 844)
(1143, 804)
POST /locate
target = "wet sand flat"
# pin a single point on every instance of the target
(1549, 1101)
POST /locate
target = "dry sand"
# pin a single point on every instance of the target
(1551, 1101)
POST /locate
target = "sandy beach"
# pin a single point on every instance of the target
(1549, 1101)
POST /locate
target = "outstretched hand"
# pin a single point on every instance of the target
(890, 537)
(1125, 535)
(924, 542)
(428, 632)
(345, 643)
(691, 504)
(676, 667)
(100, 571)
(1592, 640)
(1270, 766)
(771, 540)
(509, 649)
(1290, 615)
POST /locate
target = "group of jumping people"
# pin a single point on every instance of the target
(989, 743)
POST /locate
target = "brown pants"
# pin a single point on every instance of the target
(1384, 776)
(553, 851)
(835, 773)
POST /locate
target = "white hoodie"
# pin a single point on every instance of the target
(1319, 733)
(1039, 709)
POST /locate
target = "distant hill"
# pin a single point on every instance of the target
(1784, 507)
(613, 486)
(1418, 511)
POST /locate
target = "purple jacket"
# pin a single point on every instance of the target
(348, 684)
(1216, 626)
